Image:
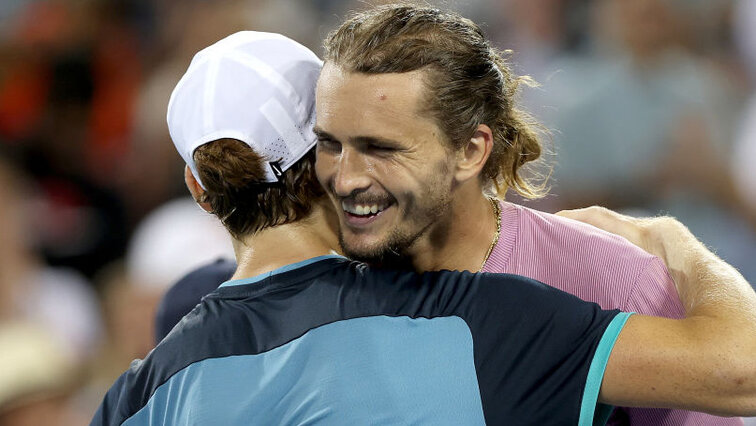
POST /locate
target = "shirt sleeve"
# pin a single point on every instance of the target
(548, 353)
(591, 412)
(109, 412)
(127, 395)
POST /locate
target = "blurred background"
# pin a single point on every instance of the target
(651, 106)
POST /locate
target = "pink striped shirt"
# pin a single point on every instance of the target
(598, 267)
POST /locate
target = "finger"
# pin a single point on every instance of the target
(607, 220)
(593, 215)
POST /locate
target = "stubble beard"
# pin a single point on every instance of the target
(395, 249)
(392, 251)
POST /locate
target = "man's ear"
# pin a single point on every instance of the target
(195, 189)
(474, 154)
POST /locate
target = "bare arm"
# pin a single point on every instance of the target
(705, 362)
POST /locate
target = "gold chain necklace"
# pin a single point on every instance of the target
(497, 213)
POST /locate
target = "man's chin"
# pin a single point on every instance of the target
(378, 254)
(370, 256)
(384, 256)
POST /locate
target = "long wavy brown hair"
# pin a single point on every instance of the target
(468, 82)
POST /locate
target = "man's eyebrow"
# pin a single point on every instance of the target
(320, 133)
(374, 140)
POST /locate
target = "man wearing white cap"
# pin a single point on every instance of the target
(303, 335)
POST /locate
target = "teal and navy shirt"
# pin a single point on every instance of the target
(332, 341)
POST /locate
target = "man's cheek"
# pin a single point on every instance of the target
(323, 173)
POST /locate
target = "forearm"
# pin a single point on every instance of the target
(705, 362)
(718, 354)
(707, 285)
(659, 362)
(720, 306)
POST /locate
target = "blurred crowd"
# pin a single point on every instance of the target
(650, 107)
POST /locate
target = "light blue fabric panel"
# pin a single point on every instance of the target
(280, 270)
(373, 370)
(591, 412)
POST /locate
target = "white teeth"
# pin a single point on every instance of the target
(361, 210)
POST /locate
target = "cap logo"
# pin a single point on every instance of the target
(276, 169)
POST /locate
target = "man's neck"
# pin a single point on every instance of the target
(283, 245)
(462, 240)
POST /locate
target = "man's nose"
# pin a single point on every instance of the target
(351, 173)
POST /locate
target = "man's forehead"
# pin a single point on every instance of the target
(402, 89)
(370, 98)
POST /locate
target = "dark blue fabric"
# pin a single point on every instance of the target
(359, 371)
(533, 345)
(187, 292)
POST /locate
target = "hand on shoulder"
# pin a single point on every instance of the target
(662, 236)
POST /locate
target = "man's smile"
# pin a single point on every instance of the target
(358, 214)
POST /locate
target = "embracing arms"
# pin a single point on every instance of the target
(705, 362)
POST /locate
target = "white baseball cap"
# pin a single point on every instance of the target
(256, 87)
